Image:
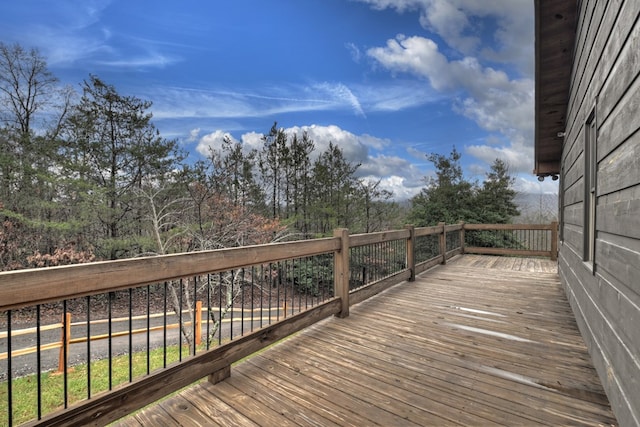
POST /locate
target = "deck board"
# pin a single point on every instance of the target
(480, 341)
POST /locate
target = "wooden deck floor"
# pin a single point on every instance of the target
(481, 341)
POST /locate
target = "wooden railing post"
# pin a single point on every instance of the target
(554, 241)
(461, 237)
(341, 271)
(198, 322)
(65, 340)
(443, 242)
(411, 252)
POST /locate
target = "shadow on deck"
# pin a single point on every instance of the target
(480, 341)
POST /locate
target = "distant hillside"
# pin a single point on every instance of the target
(536, 208)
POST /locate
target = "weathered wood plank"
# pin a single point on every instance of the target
(186, 413)
(507, 226)
(156, 417)
(502, 251)
(372, 238)
(310, 381)
(259, 412)
(214, 409)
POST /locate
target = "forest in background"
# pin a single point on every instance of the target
(87, 176)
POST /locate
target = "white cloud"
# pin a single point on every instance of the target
(354, 51)
(341, 93)
(516, 155)
(396, 96)
(511, 32)
(401, 187)
(489, 97)
(531, 185)
(213, 141)
(146, 60)
(449, 21)
(193, 135)
(386, 166)
(252, 140)
(494, 100)
(354, 148)
(188, 102)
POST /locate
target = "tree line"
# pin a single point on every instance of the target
(87, 176)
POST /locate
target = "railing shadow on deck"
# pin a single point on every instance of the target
(283, 287)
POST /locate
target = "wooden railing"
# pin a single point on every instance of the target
(311, 279)
(512, 239)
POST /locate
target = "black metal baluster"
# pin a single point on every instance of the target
(376, 261)
(384, 258)
(9, 373)
(262, 281)
(180, 321)
(317, 269)
(38, 361)
(286, 301)
(65, 354)
(288, 267)
(391, 257)
(354, 265)
(148, 329)
(220, 308)
(324, 273)
(313, 281)
(381, 258)
(367, 256)
(278, 283)
(208, 310)
(164, 328)
(195, 315)
(270, 284)
(111, 295)
(241, 282)
(253, 271)
(321, 276)
(232, 306)
(88, 346)
(300, 293)
(130, 335)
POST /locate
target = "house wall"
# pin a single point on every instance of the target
(605, 293)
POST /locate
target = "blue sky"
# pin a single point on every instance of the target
(389, 81)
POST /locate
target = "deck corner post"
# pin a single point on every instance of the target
(411, 252)
(341, 271)
(443, 242)
(462, 237)
(554, 241)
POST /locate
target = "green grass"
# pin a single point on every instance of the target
(25, 389)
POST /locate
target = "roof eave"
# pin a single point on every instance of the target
(555, 24)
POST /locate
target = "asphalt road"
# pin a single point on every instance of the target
(27, 364)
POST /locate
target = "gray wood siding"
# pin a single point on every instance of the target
(606, 299)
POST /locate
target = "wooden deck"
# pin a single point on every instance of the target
(480, 341)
